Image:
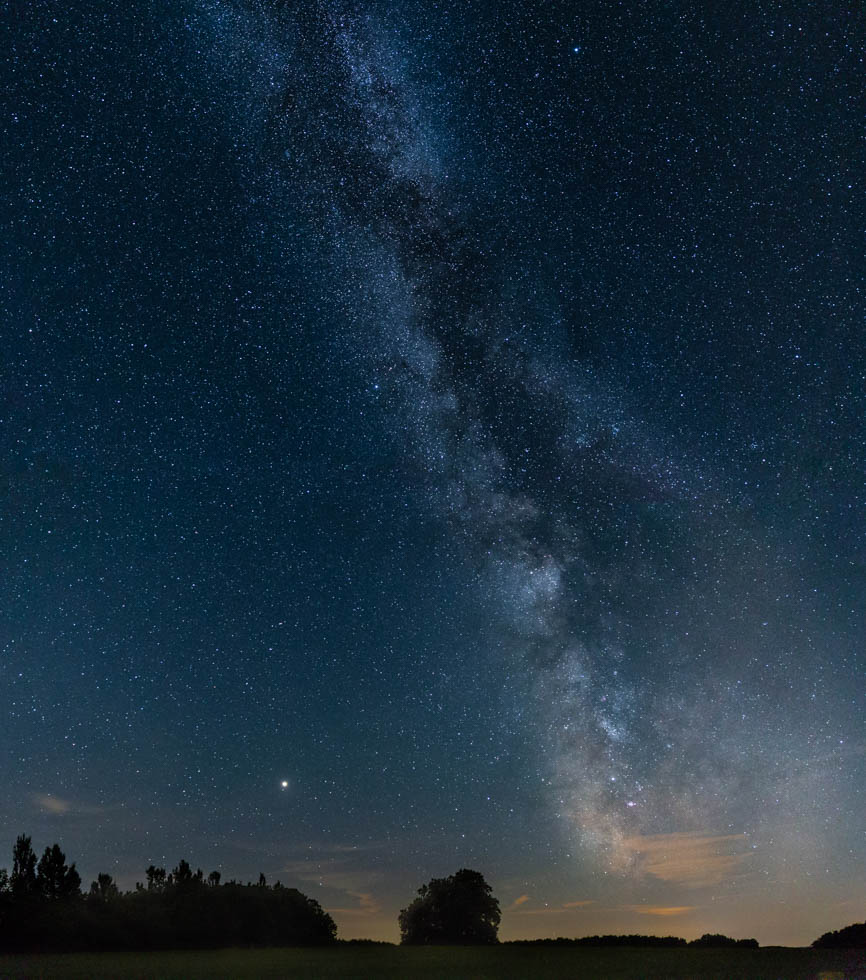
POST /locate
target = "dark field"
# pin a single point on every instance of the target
(452, 962)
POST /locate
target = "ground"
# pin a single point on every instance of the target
(498, 963)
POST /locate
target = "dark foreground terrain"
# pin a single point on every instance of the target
(496, 963)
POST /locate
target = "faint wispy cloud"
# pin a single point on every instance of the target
(662, 910)
(53, 804)
(331, 874)
(313, 849)
(337, 848)
(59, 806)
(368, 905)
(520, 900)
(566, 909)
(693, 859)
(338, 873)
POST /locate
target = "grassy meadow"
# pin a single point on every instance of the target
(497, 963)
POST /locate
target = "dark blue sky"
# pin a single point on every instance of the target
(455, 411)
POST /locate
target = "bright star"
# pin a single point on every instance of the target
(285, 784)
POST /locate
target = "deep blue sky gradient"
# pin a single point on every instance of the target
(457, 411)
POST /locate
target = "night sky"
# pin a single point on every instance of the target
(434, 436)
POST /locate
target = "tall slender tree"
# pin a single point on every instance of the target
(23, 878)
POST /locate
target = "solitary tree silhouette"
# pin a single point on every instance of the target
(458, 910)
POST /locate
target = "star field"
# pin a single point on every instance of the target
(433, 438)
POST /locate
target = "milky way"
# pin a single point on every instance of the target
(585, 530)
(459, 412)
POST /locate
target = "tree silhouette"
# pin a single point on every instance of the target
(54, 879)
(104, 889)
(155, 878)
(632, 939)
(851, 937)
(23, 879)
(716, 939)
(183, 909)
(458, 910)
(182, 874)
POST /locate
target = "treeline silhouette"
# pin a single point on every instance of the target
(851, 937)
(636, 940)
(603, 941)
(42, 907)
(716, 939)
